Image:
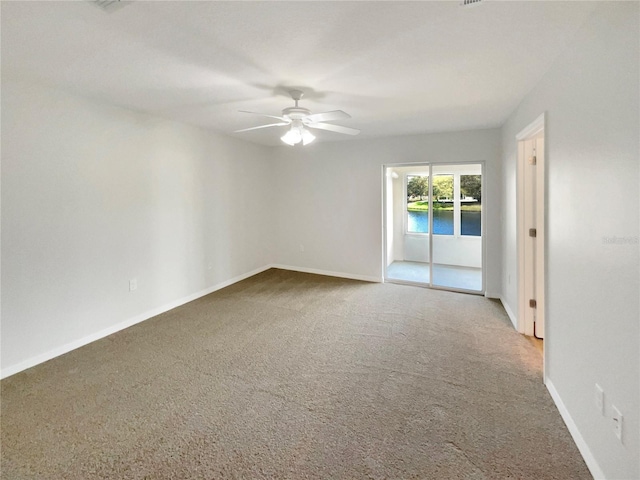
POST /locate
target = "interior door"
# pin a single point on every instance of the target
(533, 242)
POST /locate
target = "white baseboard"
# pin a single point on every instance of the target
(507, 309)
(588, 457)
(56, 352)
(364, 278)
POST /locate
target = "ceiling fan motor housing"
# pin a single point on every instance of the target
(295, 113)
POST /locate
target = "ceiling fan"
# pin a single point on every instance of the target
(299, 118)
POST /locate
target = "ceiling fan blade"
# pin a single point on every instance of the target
(334, 128)
(262, 126)
(265, 115)
(326, 116)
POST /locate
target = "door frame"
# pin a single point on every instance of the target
(535, 129)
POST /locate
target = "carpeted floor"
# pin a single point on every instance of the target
(292, 375)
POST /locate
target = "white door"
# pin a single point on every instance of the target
(531, 226)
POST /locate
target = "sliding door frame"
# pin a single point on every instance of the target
(385, 196)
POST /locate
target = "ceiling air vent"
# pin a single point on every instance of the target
(110, 5)
(469, 3)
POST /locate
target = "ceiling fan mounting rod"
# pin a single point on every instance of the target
(296, 95)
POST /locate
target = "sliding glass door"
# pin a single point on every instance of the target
(433, 220)
(456, 244)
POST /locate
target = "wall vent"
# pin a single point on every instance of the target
(110, 5)
(469, 3)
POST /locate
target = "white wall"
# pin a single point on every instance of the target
(397, 205)
(329, 198)
(416, 247)
(461, 251)
(591, 99)
(94, 195)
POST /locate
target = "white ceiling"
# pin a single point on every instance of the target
(396, 67)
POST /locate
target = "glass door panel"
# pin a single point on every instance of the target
(456, 240)
(407, 217)
(415, 264)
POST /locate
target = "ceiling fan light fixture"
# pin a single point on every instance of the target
(307, 137)
(292, 137)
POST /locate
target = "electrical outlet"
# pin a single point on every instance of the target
(599, 399)
(133, 284)
(302, 248)
(617, 422)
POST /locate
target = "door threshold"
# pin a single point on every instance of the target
(432, 287)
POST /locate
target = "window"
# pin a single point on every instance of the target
(417, 203)
(471, 205)
(443, 208)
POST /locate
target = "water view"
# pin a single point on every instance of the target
(471, 222)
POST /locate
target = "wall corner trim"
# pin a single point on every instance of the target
(364, 278)
(56, 352)
(584, 449)
(512, 316)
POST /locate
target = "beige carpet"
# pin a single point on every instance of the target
(291, 375)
